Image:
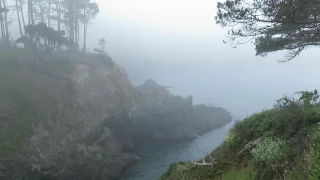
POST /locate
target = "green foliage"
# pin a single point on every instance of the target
(293, 175)
(308, 97)
(234, 174)
(290, 146)
(314, 158)
(102, 46)
(283, 102)
(14, 140)
(41, 31)
(230, 139)
(271, 151)
(20, 125)
(314, 163)
(171, 169)
(271, 25)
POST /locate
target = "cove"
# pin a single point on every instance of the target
(156, 159)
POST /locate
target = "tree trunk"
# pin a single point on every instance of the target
(42, 14)
(71, 24)
(6, 23)
(58, 7)
(30, 12)
(18, 16)
(22, 16)
(32, 15)
(2, 32)
(58, 16)
(2, 25)
(76, 24)
(84, 27)
(78, 38)
(49, 13)
(41, 11)
(76, 31)
(85, 39)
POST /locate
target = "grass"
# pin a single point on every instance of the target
(173, 167)
(19, 125)
(234, 174)
(290, 146)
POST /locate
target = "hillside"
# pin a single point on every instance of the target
(76, 116)
(59, 116)
(280, 143)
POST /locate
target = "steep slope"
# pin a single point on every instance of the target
(59, 116)
(74, 116)
(280, 143)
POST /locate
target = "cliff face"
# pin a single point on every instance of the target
(71, 117)
(59, 117)
(159, 115)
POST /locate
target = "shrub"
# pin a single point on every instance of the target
(286, 151)
(230, 139)
(314, 157)
(313, 114)
(271, 151)
(308, 98)
(293, 175)
(252, 127)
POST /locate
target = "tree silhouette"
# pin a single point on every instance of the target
(291, 25)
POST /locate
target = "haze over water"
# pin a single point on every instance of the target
(177, 43)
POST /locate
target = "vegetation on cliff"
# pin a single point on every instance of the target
(59, 114)
(72, 115)
(279, 143)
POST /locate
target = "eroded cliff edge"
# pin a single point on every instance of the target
(69, 117)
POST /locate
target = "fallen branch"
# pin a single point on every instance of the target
(204, 163)
(250, 145)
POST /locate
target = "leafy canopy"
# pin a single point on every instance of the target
(41, 31)
(272, 25)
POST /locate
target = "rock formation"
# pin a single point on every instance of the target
(60, 116)
(159, 115)
(70, 117)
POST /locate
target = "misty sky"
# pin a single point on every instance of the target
(177, 43)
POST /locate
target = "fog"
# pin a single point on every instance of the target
(68, 111)
(177, 43)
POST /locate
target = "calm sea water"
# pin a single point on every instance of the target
(158, 158)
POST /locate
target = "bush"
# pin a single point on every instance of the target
(230, 139)
(290, 147)
(271, 151)
(313, 114)
(293, 175)
(314, 157)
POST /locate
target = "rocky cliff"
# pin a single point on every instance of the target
(71, 117)
(59, 116)
(159, 115)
